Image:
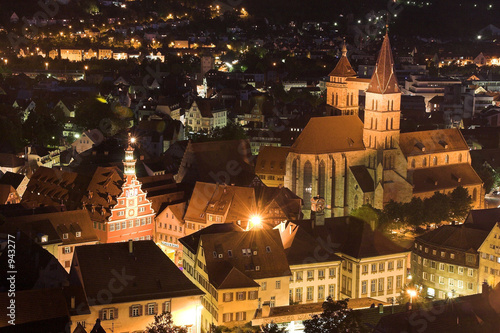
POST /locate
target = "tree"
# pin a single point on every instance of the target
(460, 203)
(437, 208)
(368, 214)
(163, 324)
(271, 328)
(414, 212)
(336, 317)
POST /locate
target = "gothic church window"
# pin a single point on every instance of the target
(321, 179)
(307, 185)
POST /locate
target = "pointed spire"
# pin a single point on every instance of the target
(343, 67)
(384, 80)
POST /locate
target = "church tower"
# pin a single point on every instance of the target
(381, 128)
(129, 161)
(338, 95)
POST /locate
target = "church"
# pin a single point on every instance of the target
(349, 162)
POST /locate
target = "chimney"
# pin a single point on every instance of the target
(72, 302)
(130, 246)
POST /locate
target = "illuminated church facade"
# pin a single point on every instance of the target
(350, 163)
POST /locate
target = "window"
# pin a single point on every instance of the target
(364, 286)
(399, 281)
(109, 314)
(434, 252)
(241, 296)
(310, 275)
(470, 285)
(167, 306)
(332, 272)
(441, 280)
(241, 316)
(452, 255)
(400, 264)
(124, 225)
(278, 284)
(381, 284)
(310, 291)
(227, 297)
(451, 282)
(441, 266)
(443, 254)
(349, 266)
(227, 317)
(152, 308)
(67, 250)
(321, 274)
(130, 223)
(321, 292)
(299, 276)
(424, 275)
(460, 270)
(137, 222)
(373, 287)
(390, 265)
(142, 209)
(426, 262)
(470, 259)
(460, 284)
(374, 268)
(298, 294)
(268, 249)
(426, 250)
(451, 269)
(470, 272)
(78, 234)
(331, 290)
(117, 226)
(389, 283)
(143, 221)
(111, 227)
(365, 269)
(433, 264)
(121, 213)
(253, 294)
(433, 278)
(263, 286)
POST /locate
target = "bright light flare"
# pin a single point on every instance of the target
(255, 220)
(412, 293)
(132, 140)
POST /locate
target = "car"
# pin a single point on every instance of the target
(496, 192)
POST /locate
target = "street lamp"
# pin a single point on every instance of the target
(46, 66)
(255, 221)
(412, 293)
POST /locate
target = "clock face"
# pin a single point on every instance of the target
(131, 212)
(320, 205)
(131, 202)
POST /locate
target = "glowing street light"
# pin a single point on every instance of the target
(412, 293)
(46, 66)
(255, 221)
(132, 140)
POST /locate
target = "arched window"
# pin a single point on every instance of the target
(321, 179)
(352, 98)
(392, 123)
(307, 185)
(424, 163)
(376, 123)
(371, 123)
(347, 100)
(474, 195)
(435, 161)
(355, 201)
(388, 105)
(376, 105)
(459, 158)
(413, 163)
(373, 104)
(370, 141)
(387, 124)
(392, 105)
(294, 176)
(447, 159)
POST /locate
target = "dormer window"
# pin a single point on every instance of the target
(44, 239)
(65, 236)
(78, 234)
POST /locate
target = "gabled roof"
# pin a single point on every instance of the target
(384, 79)
(68, 222)
(13, 179)
(265, 257)
(330, 134)
(233, 202)
(147, 271)
(444, 177)
(343, 67)
(363, 178)
(45, 308)
(435, 141)
(272, 160)
(456, 237)
(10, 160)
(351, 236)
(484, 219)
(289, 202)
(192, 241)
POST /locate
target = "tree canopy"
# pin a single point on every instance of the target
(336, 317)
(163, 324)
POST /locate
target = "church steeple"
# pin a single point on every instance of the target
(384, 80)
(129, 161)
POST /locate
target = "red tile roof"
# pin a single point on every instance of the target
(435, 141)
(444, 177)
